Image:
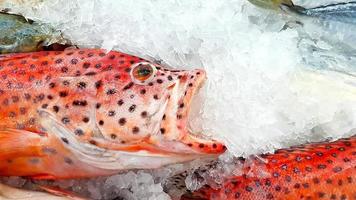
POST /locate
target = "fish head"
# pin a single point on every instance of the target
(133, 110)
(170, 93)
(151, 105)
(162, 107)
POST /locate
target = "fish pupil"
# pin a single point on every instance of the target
(144, 71)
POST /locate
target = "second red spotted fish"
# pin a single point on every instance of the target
(83, 113)
(325, 170)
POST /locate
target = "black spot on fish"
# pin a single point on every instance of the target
(337, 169)
(74, 61)
(321, 166)
(144, 114)
(132, 108)
(111, 92)
(98, 105)
(65, 140)
(90, 73)
(64, 69)
(135, 130)
(111, 113)
(59, 60)
(49, 150)
(81, 85)
(63, 93)
(85, 119)
(120, 102)
(56, 109)
(275, 174)
(79, 132)
(98, 84)
(122, 121)
(248, 189)
(86, 65)
(80, 103)
(65, 120)
(128, 86)
(68, 160)
(101, 122)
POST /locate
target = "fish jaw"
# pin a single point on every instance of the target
(178, 105)
(175, 135)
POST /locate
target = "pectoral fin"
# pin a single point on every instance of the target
(20, 143)
(40, 156)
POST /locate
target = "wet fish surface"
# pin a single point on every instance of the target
(325, 170)
(18, 34)
(86, 112)
(342, 12)
(326, 31)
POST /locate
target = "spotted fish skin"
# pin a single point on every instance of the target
(82, 112)
(314, 171)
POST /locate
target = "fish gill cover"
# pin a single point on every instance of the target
(274, 80)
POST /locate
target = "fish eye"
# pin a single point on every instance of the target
(142, 73)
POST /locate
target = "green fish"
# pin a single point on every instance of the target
(18, 34)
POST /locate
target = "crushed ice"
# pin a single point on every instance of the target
(272, 81)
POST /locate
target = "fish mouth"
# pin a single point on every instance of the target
(194, 101)
(178, 138)
(190, 84)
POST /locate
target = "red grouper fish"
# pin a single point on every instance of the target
(84, 112)
(313, 171)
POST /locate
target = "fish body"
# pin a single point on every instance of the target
(18, 34)
(326, 31)
(341, 12)
(314, 171)
(85, 112)
(344, 12)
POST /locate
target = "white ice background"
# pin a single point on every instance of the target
(266, 89)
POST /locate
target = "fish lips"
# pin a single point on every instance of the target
(175, 135)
